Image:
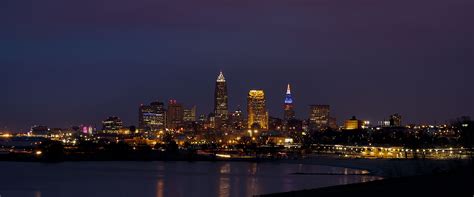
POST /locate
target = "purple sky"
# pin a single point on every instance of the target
(66, 63)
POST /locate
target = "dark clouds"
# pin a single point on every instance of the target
(72, 62)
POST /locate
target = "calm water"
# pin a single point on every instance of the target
(164, 178)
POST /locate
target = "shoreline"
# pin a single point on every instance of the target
(454, 183)
(413, 177)
(386, 168)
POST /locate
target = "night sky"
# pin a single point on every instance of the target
(67, 63)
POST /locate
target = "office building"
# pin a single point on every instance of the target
(288, 107)
(256, 110)
(40, 130)
(175, 115)
(396, 120)
(353, 124)
(112, 124)
(189, 114)
(236, 120)
(152, 117)
(319, 117)
(221, 105)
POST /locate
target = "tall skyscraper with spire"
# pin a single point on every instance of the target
(221, 105)
(288, 107)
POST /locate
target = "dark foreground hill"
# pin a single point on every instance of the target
(456, 183)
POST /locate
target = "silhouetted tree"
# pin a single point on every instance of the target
(87, 147)
(466, 125)
(133, 129)
(118, 150)
(172, 147)
(52, 151)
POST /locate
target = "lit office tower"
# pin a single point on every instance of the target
(237, 120)
(256, 110)
(152, 117)
(189, 114)
(319, 117)
(221, 106)
(112, 125)
(289, 112)
(40, 130)
(175, 115)
(395, 120)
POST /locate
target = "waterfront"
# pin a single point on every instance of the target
(168, 178)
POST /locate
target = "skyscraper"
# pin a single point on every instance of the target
(237, 120)
(395, 120)
(221, 106)
(256, 110)
(152, 117)
(190, 114)
(289, 112)
(319, 117)
(175, 115)
(112, 125)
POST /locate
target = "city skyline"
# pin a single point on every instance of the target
(276, 112)
(67, 66)
(236, 98)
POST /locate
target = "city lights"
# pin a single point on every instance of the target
(176, 128)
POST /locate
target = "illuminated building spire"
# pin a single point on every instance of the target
(221, 77)
(221, 98)
(289, 112)
(288, 97)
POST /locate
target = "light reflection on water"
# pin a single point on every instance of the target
(160, 188)
(161, 179)
(224, 187)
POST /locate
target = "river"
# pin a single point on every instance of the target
(18, 179)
